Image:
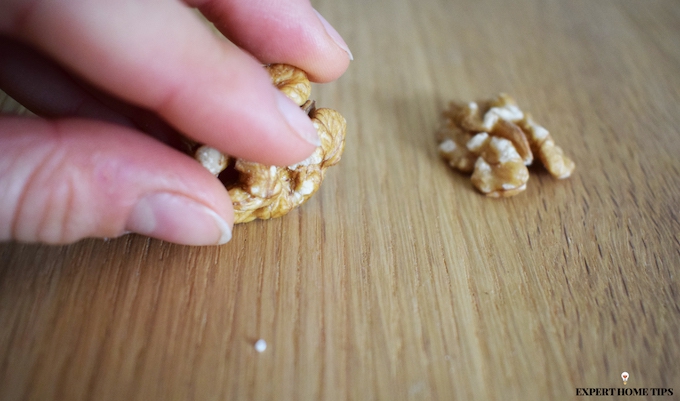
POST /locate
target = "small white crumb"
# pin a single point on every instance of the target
(260, 345)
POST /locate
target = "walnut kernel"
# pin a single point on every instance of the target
(496, 141)
(264, 192)
(293, 82)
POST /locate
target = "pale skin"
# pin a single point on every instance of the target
(116, 81)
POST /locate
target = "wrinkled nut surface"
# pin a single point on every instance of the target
(265, 192)
(495, 141)
(291, 81)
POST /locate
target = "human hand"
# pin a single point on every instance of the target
(104, 71)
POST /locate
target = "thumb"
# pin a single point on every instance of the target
(71, 179)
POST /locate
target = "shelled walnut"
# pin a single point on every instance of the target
(495, 141)
(264, 192)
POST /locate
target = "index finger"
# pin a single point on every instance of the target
(160, 56)
(275, 31)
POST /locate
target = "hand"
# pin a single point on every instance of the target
(105, 71)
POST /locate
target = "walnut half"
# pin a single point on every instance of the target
(264, 192)
(495, 141)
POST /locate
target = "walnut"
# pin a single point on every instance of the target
(264, 192)
(212, 159)
(495, 141)
(291, 81)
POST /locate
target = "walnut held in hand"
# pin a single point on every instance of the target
(264, 192)
(495, 141)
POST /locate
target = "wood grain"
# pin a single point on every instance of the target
(398, 280)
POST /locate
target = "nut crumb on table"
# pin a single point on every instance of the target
(260, 345)
(265, 192)
(495, 141)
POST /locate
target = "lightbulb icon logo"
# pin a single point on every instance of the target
(624, 376)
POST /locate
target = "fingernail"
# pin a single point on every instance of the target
(178, 219)
(297, 119)
(334, 35)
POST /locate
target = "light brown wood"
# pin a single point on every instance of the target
(398, 280)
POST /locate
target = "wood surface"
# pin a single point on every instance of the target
(397, 280)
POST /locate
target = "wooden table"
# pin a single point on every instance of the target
(398, 280)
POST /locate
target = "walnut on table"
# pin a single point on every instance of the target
(495, 141)
(259, 191)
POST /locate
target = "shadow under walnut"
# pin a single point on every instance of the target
(259, 191)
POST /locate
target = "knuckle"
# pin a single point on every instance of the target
(39, 190)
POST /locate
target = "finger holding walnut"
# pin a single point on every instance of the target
(495, 140)
(263, 192)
